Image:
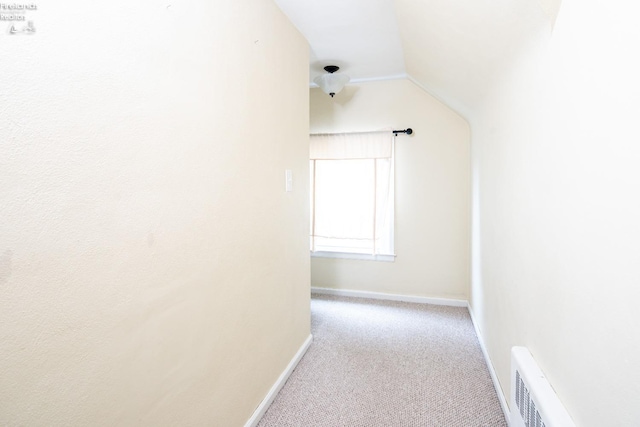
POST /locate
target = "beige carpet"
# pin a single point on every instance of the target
(379, 363)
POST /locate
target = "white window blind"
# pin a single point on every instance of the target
(352, 193)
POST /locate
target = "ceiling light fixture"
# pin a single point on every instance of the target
(331, 83)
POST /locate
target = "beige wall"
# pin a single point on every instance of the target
(152, 269)
(556, 211)
(432, 230)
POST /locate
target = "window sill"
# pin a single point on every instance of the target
(348, 255)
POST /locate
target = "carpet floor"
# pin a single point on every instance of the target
(393, 364)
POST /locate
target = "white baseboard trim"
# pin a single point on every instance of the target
(492, 372)
(268, 400)
(390, 297)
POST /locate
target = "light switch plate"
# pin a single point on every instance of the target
(288, 180)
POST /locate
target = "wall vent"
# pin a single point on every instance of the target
(527, 407)
(533, 401)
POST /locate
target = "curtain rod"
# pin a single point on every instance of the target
(408, 131)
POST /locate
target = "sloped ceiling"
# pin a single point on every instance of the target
(454, 49)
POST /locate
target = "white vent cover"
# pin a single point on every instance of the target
(533, 402)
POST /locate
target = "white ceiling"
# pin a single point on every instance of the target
(359, 36)
(454, 49)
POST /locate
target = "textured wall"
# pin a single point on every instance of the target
(152, 269)
(556, 208)
(433, 187)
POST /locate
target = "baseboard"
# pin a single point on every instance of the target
(390, 297)
(266, 402)
(492, 372)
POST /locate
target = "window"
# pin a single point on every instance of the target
(352, 195)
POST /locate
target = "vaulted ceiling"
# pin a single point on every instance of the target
(454, 49)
